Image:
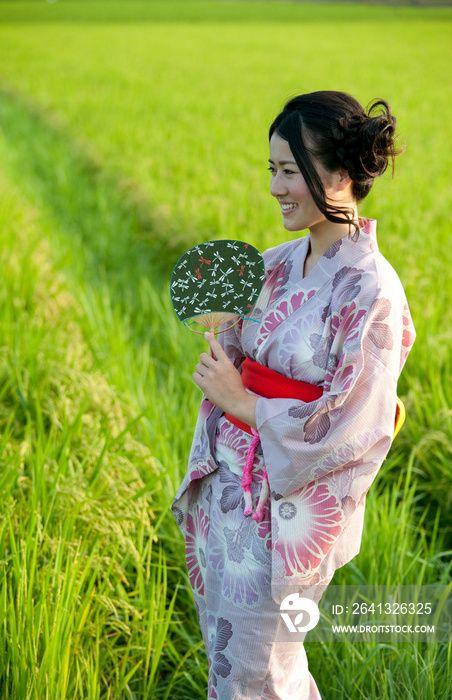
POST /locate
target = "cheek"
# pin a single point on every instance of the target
(299, 185)
(303, 194)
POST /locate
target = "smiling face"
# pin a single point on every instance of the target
(289, 187)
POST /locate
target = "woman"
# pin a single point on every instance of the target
(333, 318)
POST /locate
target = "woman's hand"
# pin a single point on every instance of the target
(222, 384)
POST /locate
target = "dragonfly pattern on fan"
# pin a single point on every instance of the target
(217, 281)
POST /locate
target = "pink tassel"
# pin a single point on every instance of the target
(263, 496)
(247, 478)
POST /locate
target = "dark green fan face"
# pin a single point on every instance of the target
(218, 276)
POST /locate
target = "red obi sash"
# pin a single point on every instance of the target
(273, 385)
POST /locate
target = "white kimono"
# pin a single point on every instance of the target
(345, 327)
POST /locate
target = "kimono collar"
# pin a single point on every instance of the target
(345, 256)
(366, 242)
(368, 233)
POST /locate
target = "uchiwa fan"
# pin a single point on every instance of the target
(216, 282)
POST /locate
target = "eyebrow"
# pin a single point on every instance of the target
(283, 162)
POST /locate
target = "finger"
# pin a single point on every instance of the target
(206, 359)
(198, 379)
(201, 369)
(214, 345)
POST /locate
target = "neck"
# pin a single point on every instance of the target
(325, 233)
(321, 238)
(321, 242)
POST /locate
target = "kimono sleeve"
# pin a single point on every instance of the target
(352, 423)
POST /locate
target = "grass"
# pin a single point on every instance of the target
(118, 11)
(108, 173)
(84, 583)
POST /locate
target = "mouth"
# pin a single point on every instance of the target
(287, 208)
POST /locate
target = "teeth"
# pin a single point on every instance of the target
(285, 207)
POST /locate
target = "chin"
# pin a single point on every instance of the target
(294, 226)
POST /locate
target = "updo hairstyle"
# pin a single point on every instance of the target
(333, 128)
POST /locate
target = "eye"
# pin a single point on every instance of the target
(289, 172)
(272, 170)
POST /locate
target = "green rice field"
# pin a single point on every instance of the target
(129, 131)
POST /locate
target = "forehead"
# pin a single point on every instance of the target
(280, 149)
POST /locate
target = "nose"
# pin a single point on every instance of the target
(278, 187)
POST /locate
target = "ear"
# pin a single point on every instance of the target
(344, 180)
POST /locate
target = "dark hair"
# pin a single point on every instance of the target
(335, 129)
